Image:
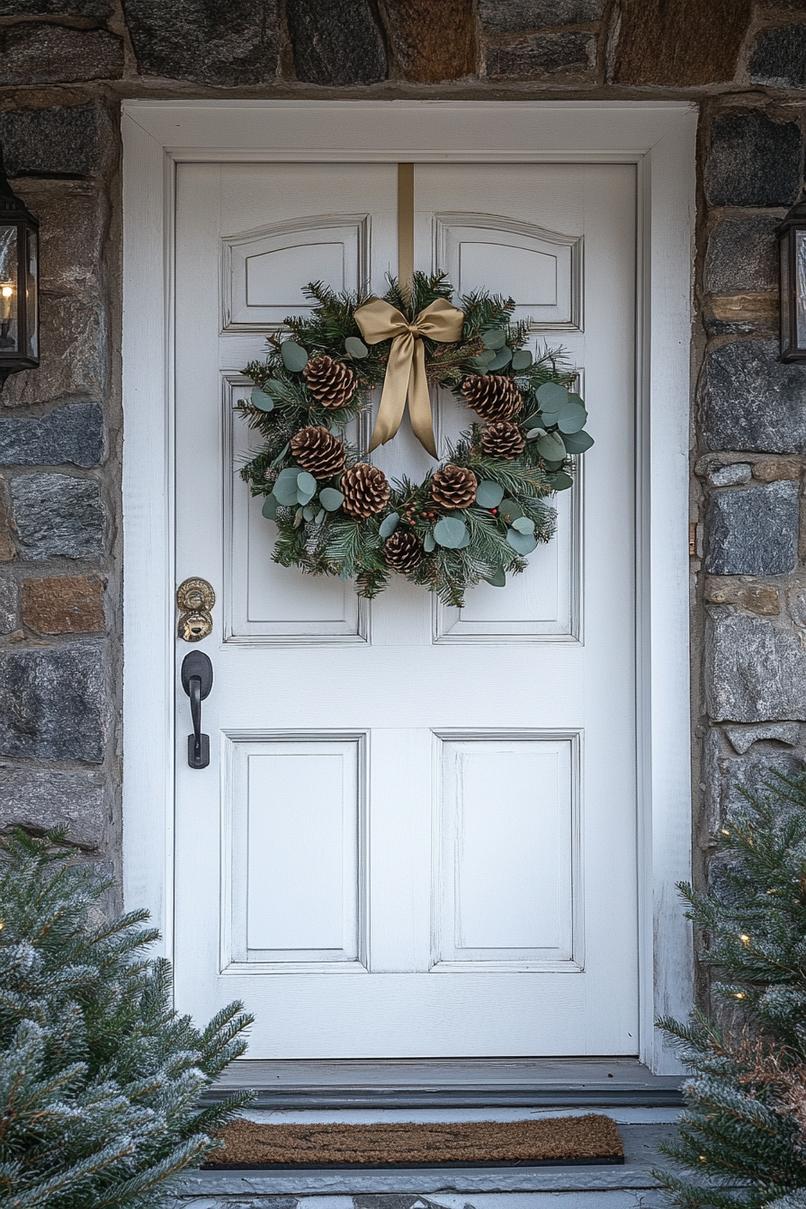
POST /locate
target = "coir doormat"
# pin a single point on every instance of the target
(551, 1141)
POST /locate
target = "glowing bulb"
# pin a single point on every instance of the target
(744, 938)
(724, 831)
(740, 995)
(7, 291)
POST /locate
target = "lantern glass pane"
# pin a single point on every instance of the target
(800, 289)
(8, 289)
(31, 296)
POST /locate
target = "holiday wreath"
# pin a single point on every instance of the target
(482, 510)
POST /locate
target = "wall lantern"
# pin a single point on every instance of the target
(792, 244)
(19, 283)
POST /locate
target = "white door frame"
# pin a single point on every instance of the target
(659, 138)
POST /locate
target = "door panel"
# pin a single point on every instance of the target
(416, 836)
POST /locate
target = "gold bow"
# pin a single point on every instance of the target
(405, 369)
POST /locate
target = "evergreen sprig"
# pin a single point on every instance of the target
(320, 541)
(100, 1078)
(742, 1138)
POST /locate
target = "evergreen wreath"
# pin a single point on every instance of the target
(478, 514)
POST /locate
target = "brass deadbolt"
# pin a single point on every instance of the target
(194, 599)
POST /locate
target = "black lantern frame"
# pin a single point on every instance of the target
(19, 283)
(792, 250)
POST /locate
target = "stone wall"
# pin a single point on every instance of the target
(65, 64)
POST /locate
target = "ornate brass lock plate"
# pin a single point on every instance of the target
(194, 599)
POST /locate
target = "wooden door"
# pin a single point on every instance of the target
(417, 832)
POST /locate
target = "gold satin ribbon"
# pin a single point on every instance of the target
(405, 369)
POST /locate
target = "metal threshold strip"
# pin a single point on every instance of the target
(450, 1083)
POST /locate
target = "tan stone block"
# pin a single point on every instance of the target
(754, 597)
(64, 604)
(744, 308)
(7, 547)
(431, 42)
(771, 469)
(685, 43)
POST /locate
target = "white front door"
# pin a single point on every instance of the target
(417, 832)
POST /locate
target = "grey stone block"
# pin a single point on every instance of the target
(88, 9)
(52, 703)
(742, 255)
(743, 737)
(754, 776)
(520, 16)
(66, 140)
(336, 42)
(544, 54)
(74, 354)
(753, 531)
(72, 223)
(73, 433)
(57, 516)
(218, 44)
(8, 605)
(752, 161)
(39, 799)
(754, 672)
(779, 57)
(752, 400)
(55, 54)
(731, 475)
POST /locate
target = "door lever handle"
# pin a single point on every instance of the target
(197, 680)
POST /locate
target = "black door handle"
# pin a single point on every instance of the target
(197, 680)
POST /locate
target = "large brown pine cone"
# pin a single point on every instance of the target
(502, 439)
(317, 451)
(402, 551)
(332, 383)
(365, 490)
(454, 486)
(492, 396)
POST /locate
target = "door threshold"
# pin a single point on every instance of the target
(449, 1083)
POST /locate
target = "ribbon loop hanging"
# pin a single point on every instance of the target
(405, 370)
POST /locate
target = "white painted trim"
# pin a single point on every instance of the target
(658, 137)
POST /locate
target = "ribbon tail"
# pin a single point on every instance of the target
(422, 421)
(395, 389)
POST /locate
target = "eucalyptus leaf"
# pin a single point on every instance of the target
(502, 359)
(306, 487)
(269, 508)
(309, 512)
(452, 533)
(533, 433)
(429, 543)
(551, 396)
(261, 400)
(330, 499)
(510, 511)
(521, 359)
(572, 418)
(484, 359)
(578, 442)
(551, 447)
(356, 348)
(320, 516)
(489, 494)
(496, 337)
(388, 525)
(298, 518)
(294, 356)
(552, 466)
(275, 387)
(523, 524)
(561, 481)
(285, 489)
(522, 543)
(497, 580)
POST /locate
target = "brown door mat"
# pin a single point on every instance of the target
(552, 1140)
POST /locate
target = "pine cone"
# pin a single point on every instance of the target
(317, 451)
(332, 383)
(365, 490)
(492, 396)
(402, 551)
(454, 487)
(502, 439)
